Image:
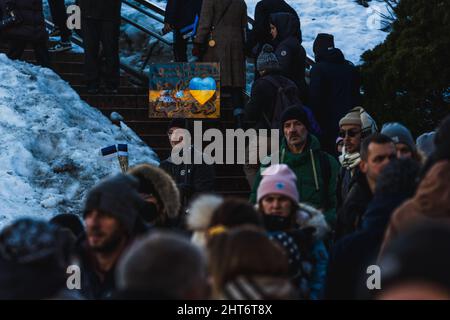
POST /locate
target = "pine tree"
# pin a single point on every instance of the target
(407, 78)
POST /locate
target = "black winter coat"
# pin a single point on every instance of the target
(349, 217)
(191, 179)
(261, 27)
(32, 27)
(289, 51)
(262, 100)
(345, 181)
(101, 9)
(333, 91)
(92, 287)
(181, 13)
(347, 272)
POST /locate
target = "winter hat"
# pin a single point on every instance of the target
(399, 134)
(267, 60)
(358, 116)
(279, 179)
(323, 42)
(69, 221)
(118, 196)
(351, 118)
(199, 215)
(425, 143)
(295, 112)
(32, 264)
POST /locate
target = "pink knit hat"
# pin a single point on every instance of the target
(278, 179)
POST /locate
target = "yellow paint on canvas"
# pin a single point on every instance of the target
(202, 96)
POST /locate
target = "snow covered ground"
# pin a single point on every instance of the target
(50, 143)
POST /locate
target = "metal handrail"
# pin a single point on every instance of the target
(149, 14)
(144, 29)
(143, 79)
(160, 11)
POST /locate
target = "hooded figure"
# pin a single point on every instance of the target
(160, 192)
(261, 28)
(289, 51)
(334, 88)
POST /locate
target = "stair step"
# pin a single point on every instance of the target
(123, 90)
(79, 79)
(132, 103)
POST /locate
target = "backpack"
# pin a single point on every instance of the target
(287, 95)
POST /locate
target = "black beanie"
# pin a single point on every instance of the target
(69, 221)
(323, 42)
(118, 196)
(32, 264)
(295, 112)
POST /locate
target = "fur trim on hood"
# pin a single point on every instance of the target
(310, 217)
(201, 210)
(164, 184)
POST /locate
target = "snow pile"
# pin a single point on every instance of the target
(50, 143)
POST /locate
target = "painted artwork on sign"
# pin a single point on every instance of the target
(187, 90)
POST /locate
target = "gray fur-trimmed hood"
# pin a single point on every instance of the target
(308, 216)
(164, 185)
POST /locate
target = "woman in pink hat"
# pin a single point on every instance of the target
(298, 227)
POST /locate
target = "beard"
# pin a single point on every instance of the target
(300, 139)
(109, 243)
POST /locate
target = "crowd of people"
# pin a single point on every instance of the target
(347, 193)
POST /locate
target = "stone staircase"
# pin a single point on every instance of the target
(132, 103)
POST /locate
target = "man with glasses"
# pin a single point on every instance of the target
(376, 152)
(353, 128)
(191, 179)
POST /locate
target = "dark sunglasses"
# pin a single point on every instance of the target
(351, 133)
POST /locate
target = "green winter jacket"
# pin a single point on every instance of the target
(309, 191)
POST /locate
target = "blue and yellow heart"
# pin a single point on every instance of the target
(202, 90)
